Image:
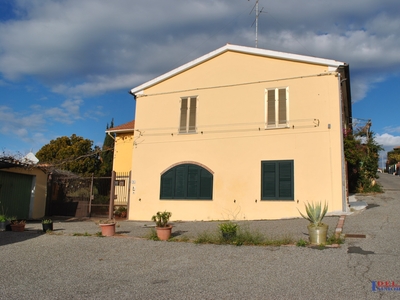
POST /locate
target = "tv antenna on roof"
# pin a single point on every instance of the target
(258, 12)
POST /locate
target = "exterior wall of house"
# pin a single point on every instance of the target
(231, 139)
(123, 147)
(37, 208)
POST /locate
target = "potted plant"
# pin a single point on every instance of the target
(317, 230)
(3, 222)
(47, 224)
(162, 227)
(107, 227)
(18, 225)
(121, 212)
(228, 230)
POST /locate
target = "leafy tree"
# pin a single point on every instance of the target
(393, 157)
(107, 153)
(362, 156)
(74, 154)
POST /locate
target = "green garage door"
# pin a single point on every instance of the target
(15, 194)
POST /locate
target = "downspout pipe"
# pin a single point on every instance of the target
(343, 167)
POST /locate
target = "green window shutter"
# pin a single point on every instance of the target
(206, 184)
(277, 180)
(193, 181)
(184, 112)
(285, 180)
(271, 108)
(180, 181)
(192, 114)
(186, 181)
(167, 185)
(282, 107)
(269, 180)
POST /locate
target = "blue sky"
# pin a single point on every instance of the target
(66, 66)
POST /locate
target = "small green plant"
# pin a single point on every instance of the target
(334, 239)
(108, 221)
(153, 235)
(99, 234)
(161, 218)
(47, 221)
(301, 243)
(3, 218)
(18, 222)
(228, 227)
(315, 213)
(120, 211)
(228, 230)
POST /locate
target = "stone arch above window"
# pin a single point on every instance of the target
(187, 181)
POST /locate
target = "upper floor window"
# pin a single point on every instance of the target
(187, 123)
(277, 107)
(187, 181)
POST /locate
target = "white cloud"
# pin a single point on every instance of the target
(387, 140)
(29, 125)
(68, 113)
(91, 47)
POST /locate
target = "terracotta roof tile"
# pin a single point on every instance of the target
(130, 126)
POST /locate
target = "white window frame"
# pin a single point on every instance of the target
(276, 123)
(185, 128)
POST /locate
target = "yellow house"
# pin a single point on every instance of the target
(241, 133)
(122, 161)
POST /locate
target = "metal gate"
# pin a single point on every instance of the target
(70, 195)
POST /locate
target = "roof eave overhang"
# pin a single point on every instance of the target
(120, 130)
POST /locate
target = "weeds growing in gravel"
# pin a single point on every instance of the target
(82, 234)
(243, 237)
(333, 239)
(152, 235)
(301, 243)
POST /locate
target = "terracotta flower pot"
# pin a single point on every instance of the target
(107, 229)
(164, 233)
(17, 227)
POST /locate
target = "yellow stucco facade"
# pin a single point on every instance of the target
(37, 207)
(232, 138)
(123, 147)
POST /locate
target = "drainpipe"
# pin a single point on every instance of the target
(344, 173)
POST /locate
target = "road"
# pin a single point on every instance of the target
(76, 267)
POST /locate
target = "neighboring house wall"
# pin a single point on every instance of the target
(37, 206)
(123, 147)
(232, 143)
(122, 161)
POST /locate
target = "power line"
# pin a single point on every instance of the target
(236, 84)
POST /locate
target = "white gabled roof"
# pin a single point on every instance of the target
(242, 49)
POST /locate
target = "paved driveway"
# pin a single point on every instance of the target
(42, 266)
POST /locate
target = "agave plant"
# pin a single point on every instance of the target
(315, 213)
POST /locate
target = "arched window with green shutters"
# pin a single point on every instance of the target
(187, 181)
